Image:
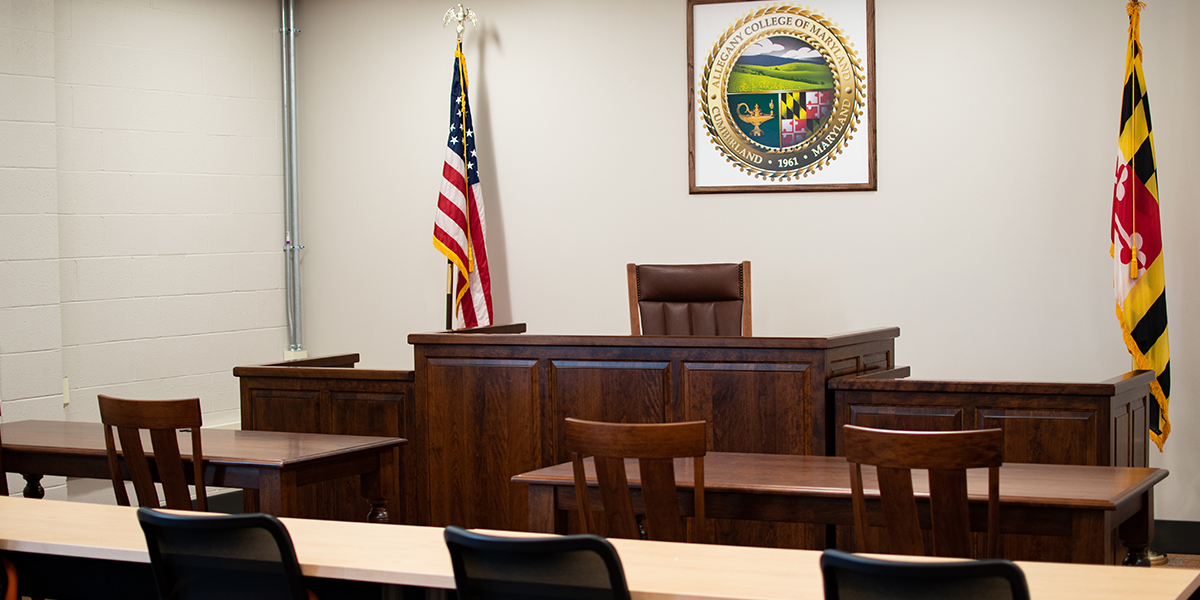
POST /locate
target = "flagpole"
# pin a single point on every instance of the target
(459, 14)
(449, 295)
(1134, 9)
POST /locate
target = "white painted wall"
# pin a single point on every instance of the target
(987, 242)
(140, 190)
(140, 204)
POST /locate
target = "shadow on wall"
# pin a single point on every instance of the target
(488, 39)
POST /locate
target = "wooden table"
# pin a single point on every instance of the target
(1089, 505)
(270, 463)
(417, 556)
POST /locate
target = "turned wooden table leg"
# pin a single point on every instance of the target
(1137, 531)
(33, 486)
(381, 488)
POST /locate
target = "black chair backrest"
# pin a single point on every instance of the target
(499, 568)
(851, 577)
(226, 557)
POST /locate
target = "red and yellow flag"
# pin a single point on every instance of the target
(1138, 276)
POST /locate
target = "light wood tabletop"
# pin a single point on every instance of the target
(1086, 504)
(417, 556)
(272, 464)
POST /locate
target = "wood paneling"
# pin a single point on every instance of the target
(1056, 423)
(481, 408)
(1051, 423)
(584, 389)
(1046, 436)
(327, 395)
(907, 418)
(757, 394)
(477, 428)
(755, 407)
(286, 410)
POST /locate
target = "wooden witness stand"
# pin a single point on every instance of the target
(484, 405)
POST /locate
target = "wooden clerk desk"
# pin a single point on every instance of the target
(417, 556)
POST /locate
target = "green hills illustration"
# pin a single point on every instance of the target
(782, 78)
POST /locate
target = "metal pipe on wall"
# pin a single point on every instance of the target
(291, 210)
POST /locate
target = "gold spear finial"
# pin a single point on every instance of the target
(460, 14)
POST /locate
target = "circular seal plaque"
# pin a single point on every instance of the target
(782, 92)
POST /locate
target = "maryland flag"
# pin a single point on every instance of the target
(1138, 276)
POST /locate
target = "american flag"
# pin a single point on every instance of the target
(458, 228)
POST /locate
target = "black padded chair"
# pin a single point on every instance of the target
(851, 577)
(228, 557)
(499, 568)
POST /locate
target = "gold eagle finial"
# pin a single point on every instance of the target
(460, 14)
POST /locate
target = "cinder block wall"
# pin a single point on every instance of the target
(140, 205)
(30, 313)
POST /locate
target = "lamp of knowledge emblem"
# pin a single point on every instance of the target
(782, 92)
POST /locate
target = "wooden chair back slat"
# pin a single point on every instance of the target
(614, 493)
(946, 456)
(903, 532)
(946, 487)
(162, 418)
(138, 466)
(655, 446)
(662, 503)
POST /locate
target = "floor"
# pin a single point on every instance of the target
(1183, 561)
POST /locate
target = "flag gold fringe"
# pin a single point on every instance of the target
(1141, 362)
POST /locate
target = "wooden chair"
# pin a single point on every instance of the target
(710, 300)
(947, 456)
(162, 418)
(655, 445)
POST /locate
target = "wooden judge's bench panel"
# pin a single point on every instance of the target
(491, 406)
(1051, 423)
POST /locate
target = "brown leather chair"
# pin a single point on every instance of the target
(708, 300)
(163, 418)
(947, 455)
(655, 445)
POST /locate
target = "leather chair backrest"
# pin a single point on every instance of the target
(706, 300)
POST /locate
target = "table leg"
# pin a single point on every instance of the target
(544, 516)
(382, 488)
(1137, 531)
(1091, 538)
(277, 493)
(33, 486)
(250, 501)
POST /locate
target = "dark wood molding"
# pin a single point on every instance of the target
(621, 341)
(492, 329)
